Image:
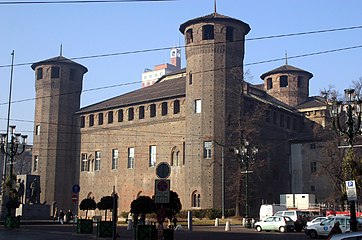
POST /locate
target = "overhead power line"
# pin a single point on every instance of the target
(168, 48)
(77, 2)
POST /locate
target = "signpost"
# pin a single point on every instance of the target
(74, 198)
(351, 190)
(162, 191)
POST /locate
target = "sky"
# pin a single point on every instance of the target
(36, 31)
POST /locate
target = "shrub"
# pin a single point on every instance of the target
(106, 203)
(213, 213)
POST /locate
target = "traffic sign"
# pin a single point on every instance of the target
(74, 198)
(163, 170)
(76, 188)
(162, 191)
(351, 190)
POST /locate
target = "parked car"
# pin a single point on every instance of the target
(299, 218)
(275, 223)
(268, 210)
(347, 236)
(323, 228)
(316, 220)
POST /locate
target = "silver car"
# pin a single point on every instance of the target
(275, 223)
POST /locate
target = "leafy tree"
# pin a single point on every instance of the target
(141, 206)
(106, 203)
(87, 204)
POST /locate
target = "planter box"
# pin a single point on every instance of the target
(84, 226)
(104, 228)
(145, 232)
(12, 222)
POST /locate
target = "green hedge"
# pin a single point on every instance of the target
(210, 213)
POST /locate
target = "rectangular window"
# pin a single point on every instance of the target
(207, 32)
(100, 118)
(82, 121)
(283, 81)
(152, 156)
(176, 107)
(84, 166)
(198, 106)
(55, 72)
(312, 146)
(189, 36)
(190, 78)
(130, 160)
(207, 150)
(313, 167)
(37, 130)
(110, 116)
(91, 120)
(39, 73)
(120, 115)
(141, 113)
(153, 110)
(288, 122)
(114, 159)
(35, 163)
(97, 163)
(183, 153)
(164, 109)
(229, 34)
(130, 114)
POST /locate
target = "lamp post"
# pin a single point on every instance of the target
(247, 154)
(351, 109)
(13, 148)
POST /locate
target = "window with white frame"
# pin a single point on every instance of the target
(84, 164)
(114, 159)
(37, 130)
(198, 106)
(97, 165)
(207, 149)
(130, 161)
(152, 155)
(35, 163)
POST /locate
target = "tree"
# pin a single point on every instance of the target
(87, 204)
(141, 206)
(106, 203)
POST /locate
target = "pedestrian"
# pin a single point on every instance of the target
(56, 214)
(174, 220)
(69, 216)
(61, 217)
(335, 230)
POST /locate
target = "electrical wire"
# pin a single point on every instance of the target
(77, 2)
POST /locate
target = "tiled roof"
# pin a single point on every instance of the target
(214, 17)
(310, 102)
(59, 59)
(161, 90)
(285, 69)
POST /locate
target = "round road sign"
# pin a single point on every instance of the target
(163, 170)
(76, 188)
(74, 198)
(162, 186)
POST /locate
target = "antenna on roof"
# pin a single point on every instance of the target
(61, 50)
(286, 57)
(214, 7)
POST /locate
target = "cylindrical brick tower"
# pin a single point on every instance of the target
(58, 86)
(214, 71)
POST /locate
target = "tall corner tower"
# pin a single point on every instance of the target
(175, 58)
(287, 84)
(58, 87)
(214, 70)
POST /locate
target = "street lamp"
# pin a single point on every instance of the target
(247, 154)
(13, 148)
(351, 109)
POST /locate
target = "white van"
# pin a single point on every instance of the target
(268, 210)
(323, 228)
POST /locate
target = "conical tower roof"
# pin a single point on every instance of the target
(285, 69)
(59, 59)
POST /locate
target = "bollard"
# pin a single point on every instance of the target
(227, 226)
(189, 220)
(216, 222)
(244, 222)
(130, 225)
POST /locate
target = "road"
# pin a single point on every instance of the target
(60, 232)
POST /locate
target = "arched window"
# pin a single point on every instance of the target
(39, 73)
(55, 72)
(196, 199)
(175, 153)
(207, 32)
(283, 81)
(176, 106)
(120, 115)
(269, 83)
(189, 36)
